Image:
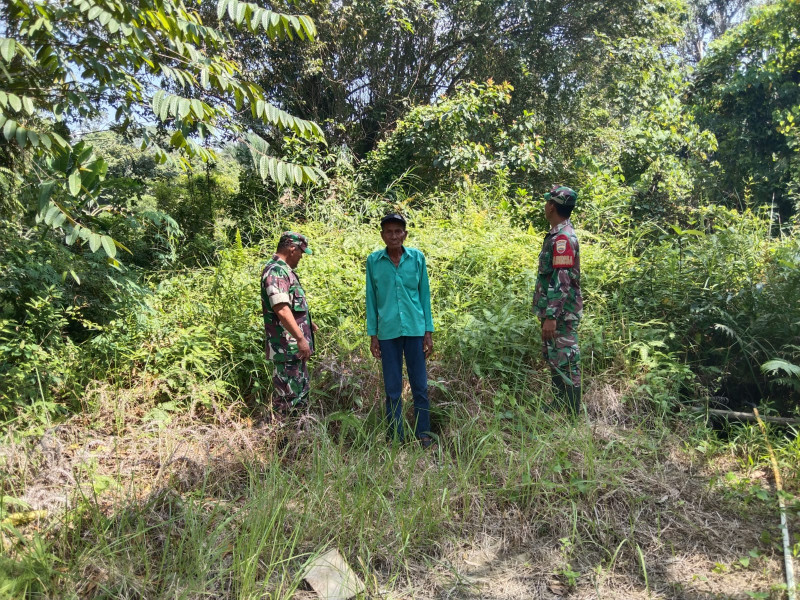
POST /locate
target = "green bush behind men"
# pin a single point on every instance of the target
(557, 302)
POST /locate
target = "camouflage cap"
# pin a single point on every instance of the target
(297, 239)
(561, 194)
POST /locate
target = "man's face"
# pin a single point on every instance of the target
(393, 234)
(293, 256)
(549, 209)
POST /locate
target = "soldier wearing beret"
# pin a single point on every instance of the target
(287, 323)
(557, 299)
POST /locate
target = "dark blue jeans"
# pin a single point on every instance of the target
(392, 352)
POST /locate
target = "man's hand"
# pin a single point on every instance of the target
(314, 327)
(303, 349)
(375, 347)
(289, 323)
(427, 344)
(549, 329)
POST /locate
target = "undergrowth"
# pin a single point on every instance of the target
(672, 316)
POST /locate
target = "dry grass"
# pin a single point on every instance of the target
(657, 526)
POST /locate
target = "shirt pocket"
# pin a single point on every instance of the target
(546, 262)
(299, 303)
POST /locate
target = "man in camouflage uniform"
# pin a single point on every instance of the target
(287, 323)
(557, 300)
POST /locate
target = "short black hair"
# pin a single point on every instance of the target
(285, 244)
(561, 210)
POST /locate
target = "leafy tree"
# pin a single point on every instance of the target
(459, 136)
(65, 65)
(707, 21)
(373, 60)
(747, 92)
(636, 124)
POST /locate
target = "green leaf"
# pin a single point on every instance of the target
(9, 129)
(158, 100)
(74, 183)
(45, 191)
(776, 365)
(108, 246)
(172, 105)
(15, 102)
(51, 214)
(255, 18)
(184, 108)
(72, 236)
(197, 109)
(8, 48)
(308, 24)
(221, 6)
(22, 136)
(241, 11)
(60, 141)
(95, 241)
(281, 173)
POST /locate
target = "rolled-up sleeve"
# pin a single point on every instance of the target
(372, 306)
(425, 294)
(275, 286)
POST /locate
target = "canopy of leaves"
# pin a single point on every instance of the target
(632, 121)
(373, 59)
(708, 20)
(64, 65)
(747, 92)
(458, 136)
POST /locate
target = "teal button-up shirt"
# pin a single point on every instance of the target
(398, 298)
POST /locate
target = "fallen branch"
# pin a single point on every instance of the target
(742, 416)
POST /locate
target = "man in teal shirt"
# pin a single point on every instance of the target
(400, 324)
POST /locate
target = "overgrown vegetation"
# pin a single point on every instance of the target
(140, 458)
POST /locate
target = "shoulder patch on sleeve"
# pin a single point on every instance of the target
(563, 254)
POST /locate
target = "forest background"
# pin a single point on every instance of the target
(152, 152)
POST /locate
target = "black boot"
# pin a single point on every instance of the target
(559, 392)
(573, 397)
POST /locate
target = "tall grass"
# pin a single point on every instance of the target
(244, 527)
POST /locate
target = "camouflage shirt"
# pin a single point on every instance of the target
(279, 284)
(558, 283)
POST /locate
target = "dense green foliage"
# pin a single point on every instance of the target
(149, 160)
(747, 91)
(66, 66)
(614, 111)
(693, 304)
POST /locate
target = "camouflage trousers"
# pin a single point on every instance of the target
(290, 380)
(562, 353)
